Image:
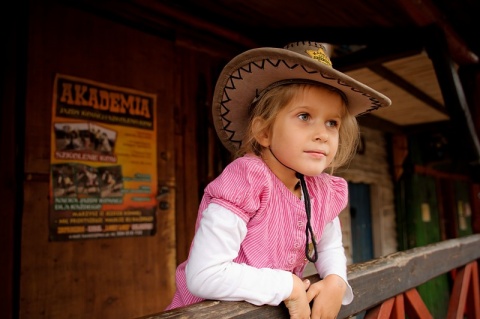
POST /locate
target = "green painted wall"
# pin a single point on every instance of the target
(420, 223)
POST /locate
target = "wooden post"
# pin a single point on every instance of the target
(465, 293)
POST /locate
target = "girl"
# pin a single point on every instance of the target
(288, 116)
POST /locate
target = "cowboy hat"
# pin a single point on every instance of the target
(249, 74)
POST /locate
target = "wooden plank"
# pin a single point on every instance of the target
(110, 278)
(473, 297)
(425, 170)
(193, 135)
(401, 271)
(382, 311)
(425, 13)
(414, 306)
(455, 100)
(458, 298)
(399, 308)
(408, 87)
(400, 152)
(221, 309)
(12, 127)
(390, 276)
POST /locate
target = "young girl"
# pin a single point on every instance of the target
(288, 116)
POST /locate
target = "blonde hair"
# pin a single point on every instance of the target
(274, 100)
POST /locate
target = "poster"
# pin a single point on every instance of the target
(103, 175)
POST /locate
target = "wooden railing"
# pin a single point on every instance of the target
(383, 288)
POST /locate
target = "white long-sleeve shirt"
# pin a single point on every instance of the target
(211, 273)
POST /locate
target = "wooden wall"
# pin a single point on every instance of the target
(9, 184)
(121, 277)
(198, 150)
(371, 166)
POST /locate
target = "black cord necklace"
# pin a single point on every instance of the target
(308, 209)
(308, 227)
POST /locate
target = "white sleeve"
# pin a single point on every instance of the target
(331, 256)
(212, 274)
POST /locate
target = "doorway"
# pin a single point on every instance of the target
(361, 222)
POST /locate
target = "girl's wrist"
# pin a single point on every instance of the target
(335, 282)
(299, 288)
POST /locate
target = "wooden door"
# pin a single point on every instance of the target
(123, 277)
(423, 228)
(361, 222)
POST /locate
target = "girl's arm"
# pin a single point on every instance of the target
(211, 272)
(331, 256)
(333, 290)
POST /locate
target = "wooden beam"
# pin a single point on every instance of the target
(465, 293)
(382, 311)
(414, 305)
(425, 13)
(455, 100)
(382, 40)
(377, 54)
(473, 298)
(377, 123)
(389, 273)
(428, 171)
(458, 299)
(162, 20)
(13, 79)
(428, 128)
(407, 86)
(399, 307)
(392, 275)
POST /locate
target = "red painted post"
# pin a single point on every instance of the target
(473, 297)
(381, 311)
(414, 305)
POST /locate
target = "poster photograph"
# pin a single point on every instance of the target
(103, 174)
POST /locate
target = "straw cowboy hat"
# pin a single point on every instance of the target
(246, 77)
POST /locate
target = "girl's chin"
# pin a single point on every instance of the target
(311, 172)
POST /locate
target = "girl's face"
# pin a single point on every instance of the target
(305, 134)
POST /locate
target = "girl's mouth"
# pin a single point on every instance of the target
(316, 154)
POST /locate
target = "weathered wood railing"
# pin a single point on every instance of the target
(384, 287)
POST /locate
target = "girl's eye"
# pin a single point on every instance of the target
(332, 123)
(304, 116)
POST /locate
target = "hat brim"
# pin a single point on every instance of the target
(251, 72)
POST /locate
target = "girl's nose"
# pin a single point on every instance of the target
(321, 133)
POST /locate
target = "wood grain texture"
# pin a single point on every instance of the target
(372, 282)
(110, 278)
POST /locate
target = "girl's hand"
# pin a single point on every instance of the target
(327, 295)
(298, 303)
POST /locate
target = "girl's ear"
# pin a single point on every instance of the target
(260, 132)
